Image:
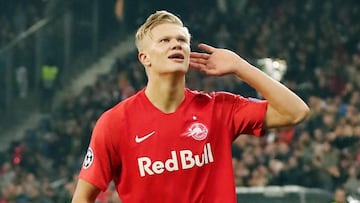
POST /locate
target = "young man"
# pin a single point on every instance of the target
(170, 144)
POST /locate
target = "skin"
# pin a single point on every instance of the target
(166, 77)
(166, 82)
(85, 192)
(279, 113)
(340, 195)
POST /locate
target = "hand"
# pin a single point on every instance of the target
(216, 61)
(334, 171)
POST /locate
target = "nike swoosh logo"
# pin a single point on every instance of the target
(140, 139)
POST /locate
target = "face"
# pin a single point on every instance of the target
(340, 195)
(166, 49)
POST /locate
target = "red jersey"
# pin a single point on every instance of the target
(184, 156)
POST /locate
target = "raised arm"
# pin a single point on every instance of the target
(285, 107)
(85, 192)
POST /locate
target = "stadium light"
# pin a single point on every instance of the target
(275, 68)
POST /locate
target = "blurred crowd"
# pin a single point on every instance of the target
(18, 15)
(36, 35)
(320, 43)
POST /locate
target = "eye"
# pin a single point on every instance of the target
(182, 40)
(164, 40)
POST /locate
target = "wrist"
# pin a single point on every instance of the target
(243, 68)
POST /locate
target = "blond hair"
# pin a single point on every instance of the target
(155, 19)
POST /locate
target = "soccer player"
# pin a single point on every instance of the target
(168, 143)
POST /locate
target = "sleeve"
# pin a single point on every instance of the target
(96, 167)
(249, 116)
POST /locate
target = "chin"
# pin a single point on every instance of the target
(182, 69)
(179, 68)
(169, 68)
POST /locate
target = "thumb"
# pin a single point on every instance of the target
(206, 48)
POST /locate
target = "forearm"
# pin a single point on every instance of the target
(280, 98)
(285, 107)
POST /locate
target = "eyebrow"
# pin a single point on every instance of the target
(177, 36)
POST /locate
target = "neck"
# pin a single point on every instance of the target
(166, 93)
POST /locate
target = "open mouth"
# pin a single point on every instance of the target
(177, 56)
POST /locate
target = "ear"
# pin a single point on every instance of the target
(144, 58)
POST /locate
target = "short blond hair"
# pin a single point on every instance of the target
(155, 19)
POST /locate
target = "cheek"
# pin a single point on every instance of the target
(187, 50)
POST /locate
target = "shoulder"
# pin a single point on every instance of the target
(210, 95)
(120, 110)
(225, 97)
(215, 95)
(126, 103)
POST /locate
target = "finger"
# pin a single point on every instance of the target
(198, 60)
(197, 66)
(199, 55)
(202, 68)
(206, 48)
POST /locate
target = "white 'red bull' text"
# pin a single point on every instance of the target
(187, 160)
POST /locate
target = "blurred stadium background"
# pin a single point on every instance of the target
(63, 63)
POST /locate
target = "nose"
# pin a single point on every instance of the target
(175, 44)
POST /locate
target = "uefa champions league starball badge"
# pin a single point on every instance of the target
(89, 158)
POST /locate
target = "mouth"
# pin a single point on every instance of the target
(179, 57)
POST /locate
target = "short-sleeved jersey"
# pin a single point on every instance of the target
(184, 156)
